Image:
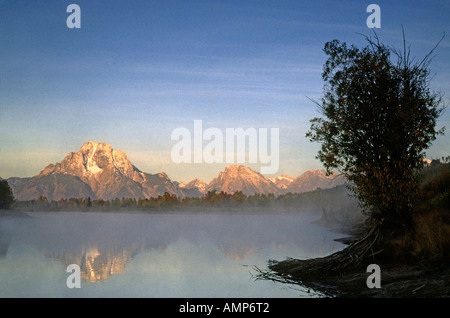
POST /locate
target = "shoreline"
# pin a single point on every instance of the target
(13, 213)
(398, 280)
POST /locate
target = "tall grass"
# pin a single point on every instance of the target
(431, 240)
(432, 235)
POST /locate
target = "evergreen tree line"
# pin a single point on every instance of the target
(167, 201)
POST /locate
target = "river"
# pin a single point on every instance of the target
(155, 255)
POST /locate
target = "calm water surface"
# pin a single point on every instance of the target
(155, 255)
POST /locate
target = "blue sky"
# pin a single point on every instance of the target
(138, 69)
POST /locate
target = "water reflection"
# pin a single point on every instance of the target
(4, 243)
(105, 244)
(96, 263)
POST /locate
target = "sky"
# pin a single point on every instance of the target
(136, 70)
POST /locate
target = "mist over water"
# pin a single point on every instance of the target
(155, 255)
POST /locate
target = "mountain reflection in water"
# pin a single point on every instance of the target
(104, 244)
(96, 263)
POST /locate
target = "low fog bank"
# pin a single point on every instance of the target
(104, 242)
(333, 208)
(281, 220)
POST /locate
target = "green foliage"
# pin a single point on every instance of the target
(6, 195)
(378, 117)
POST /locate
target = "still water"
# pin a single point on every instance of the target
(155, 255)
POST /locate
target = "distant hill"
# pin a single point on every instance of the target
(195, 188)
(314, 179)
(241, 178)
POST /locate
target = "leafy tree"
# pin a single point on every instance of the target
(379, 115)
(6, 195)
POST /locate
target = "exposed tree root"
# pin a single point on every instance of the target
(352, 257)
(322, 274)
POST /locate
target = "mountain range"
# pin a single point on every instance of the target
(99, 171)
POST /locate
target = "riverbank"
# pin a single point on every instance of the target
(13, 213)
(397, 281)
(406, 271)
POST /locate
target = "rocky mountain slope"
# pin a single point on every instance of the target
(283, 181)
(195, 188)
(241, 178)
(314, 179)
(99, 171)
